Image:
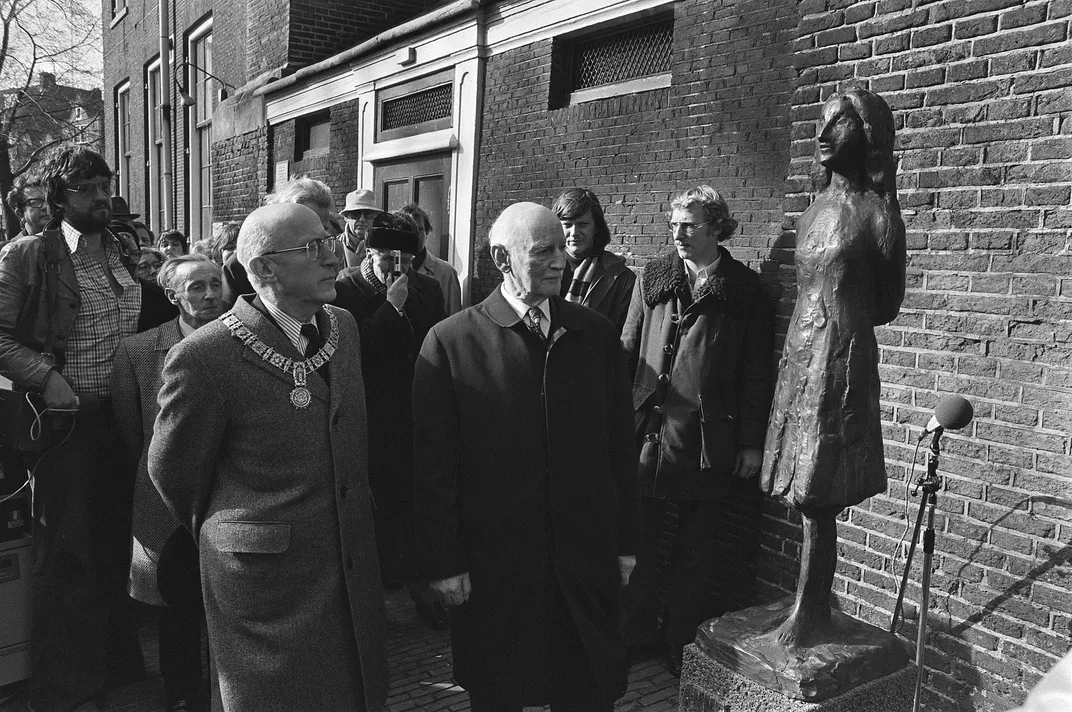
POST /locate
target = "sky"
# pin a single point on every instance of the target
(63, 35)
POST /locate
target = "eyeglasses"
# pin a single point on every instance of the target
(315, 249)
(34, 202)
(87, 189)
(689, 228)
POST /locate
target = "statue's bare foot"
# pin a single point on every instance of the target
(802, 628)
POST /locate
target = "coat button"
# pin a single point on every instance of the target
(657, 409)
(668, 349)
(652, 437)
(343, 490)
(664, 378)
(349, 562)
(675, 318)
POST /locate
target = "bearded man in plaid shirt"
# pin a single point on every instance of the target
(58, 338)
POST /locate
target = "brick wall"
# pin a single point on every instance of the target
(339, 168)
(239, 172)
(321, 28)
(981, 92)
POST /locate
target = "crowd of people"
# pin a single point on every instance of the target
(265, 429)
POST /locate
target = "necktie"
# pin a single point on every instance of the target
(312, 334)
(532, 321)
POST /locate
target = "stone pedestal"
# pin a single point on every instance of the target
(740, 651)
(709, 686)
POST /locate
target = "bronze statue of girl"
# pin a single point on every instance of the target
(823, 449)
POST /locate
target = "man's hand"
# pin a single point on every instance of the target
(749, 460)
(398, 291)
(454, 590)
(626, 564)
(57, 392)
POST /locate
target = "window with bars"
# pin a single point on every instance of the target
(419, 106)
(612, 61)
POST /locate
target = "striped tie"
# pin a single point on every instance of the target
(532, 321)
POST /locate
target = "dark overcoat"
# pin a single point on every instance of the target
(139, 363)
(702, 380)
(277, 498)
(527, 473)
(390, 343)
(611, 289)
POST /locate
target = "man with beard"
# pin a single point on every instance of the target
(67, 298)
(163, 567)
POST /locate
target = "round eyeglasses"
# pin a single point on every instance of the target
(315, 249)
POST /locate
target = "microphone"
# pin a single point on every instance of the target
(951, 413)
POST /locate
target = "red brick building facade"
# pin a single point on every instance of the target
(982, 93)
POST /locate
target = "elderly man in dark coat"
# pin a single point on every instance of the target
(526, 489)
(698, 342)
(169, 582)
(394, 309)
(260, 450)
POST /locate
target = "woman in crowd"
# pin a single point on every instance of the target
(593, 277)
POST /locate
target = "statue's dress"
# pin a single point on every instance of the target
(824, 439)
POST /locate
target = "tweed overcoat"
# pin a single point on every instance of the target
(139, 363)
(526, 474)
(277, 498)
(702, 378)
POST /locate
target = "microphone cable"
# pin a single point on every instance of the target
(35, 435)
(901, 546)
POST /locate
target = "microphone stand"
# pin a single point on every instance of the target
(930, 483)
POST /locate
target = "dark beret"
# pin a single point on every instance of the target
(392, 232)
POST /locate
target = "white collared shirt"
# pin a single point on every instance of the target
(290, 326)
(702, 274)
(185, 329)
(522, 310)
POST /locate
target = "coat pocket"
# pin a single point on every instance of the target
(718, 431)
(641, 394)
(252, 537)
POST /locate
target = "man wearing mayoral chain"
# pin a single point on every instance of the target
(260, 449)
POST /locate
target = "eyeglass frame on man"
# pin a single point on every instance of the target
(34, 203)
(320, 242)
(105, 188)
(690, 228)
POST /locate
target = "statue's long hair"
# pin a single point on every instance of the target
(880, 166)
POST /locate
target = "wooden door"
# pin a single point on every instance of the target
(425, 181)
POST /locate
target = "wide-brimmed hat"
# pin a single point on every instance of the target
(121, 210)
(361, 200)
(392, 232)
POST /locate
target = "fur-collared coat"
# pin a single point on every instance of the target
(277, 498)
(702, 378)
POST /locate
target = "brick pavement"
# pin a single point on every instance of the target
(420, 663)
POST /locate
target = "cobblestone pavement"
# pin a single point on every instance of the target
(420, 673)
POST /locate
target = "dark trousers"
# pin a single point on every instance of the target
(82, 631)
(180, 651)
(670, 591)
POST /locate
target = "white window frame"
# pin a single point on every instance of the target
(154, 147)
(123, 157)
(204, 90)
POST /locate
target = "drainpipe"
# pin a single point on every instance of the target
(165, 116)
